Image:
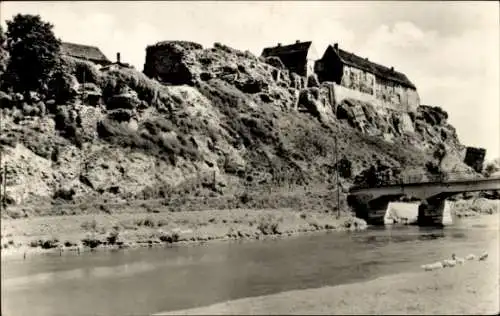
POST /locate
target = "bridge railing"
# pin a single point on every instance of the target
(419, 178)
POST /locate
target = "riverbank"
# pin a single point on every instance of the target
(148, 227)
(35, 235)
(472, 288)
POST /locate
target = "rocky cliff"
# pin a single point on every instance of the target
(213, 122)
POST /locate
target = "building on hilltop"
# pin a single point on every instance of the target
(299, 57)
(85, 52)
(359, 78)
(474, 158)
(117, 64)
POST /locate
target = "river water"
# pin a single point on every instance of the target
(146, 281)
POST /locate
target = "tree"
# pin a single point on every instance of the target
(34, 52)
(490, 169)
(3, 52)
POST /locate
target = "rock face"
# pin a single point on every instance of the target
(168, 62)
(221, 111)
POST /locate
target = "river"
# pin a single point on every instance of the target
(145, 281)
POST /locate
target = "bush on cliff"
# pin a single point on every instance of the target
(84, 71)
(114, 82)
(155, 144)
(61, 87)
(378, 174)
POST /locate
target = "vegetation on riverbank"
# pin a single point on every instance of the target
(147, 229)
(475, 207)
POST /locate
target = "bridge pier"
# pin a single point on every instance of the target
(434, 212)
(384, 210)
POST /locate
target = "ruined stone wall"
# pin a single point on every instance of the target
(474, 157)
(165, 62)
(383, 93)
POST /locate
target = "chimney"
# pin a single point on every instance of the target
(118, 57)
(392, 69)
(336, 47)
(279, 44)
(297, 41)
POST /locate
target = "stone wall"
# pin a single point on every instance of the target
(342, 93)
(474, 157)
(387, 93)
(358, 80)
(165, 62)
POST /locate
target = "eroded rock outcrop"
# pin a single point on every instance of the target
(216, 111)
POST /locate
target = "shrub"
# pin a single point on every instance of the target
(121, 115)
(89, 225)
(50, 243)
(345, 168)
(147, 89)
(84, 71)
(60, 87)
(65, 194)
(169, 237)
(91, 242)
(165, 148)
(113, 237)
(122, 101)
(244, 198)
(269, 225)
(68, 243)
(147, 221)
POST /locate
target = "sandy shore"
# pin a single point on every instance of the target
(472, 288)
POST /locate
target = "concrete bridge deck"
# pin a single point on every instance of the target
(373, 203)
(424, 190)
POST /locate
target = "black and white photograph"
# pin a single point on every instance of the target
(249, 158)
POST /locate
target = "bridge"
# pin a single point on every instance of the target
(372, 202)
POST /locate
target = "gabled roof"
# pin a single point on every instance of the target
(374, 68)
(87, 52)
(301, 47)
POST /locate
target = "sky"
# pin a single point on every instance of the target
(449, 50)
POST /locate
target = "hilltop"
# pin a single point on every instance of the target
(229, 127)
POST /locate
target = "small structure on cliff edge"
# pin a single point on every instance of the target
(117, 64)
(85, 52)
(299, 57)
(165, 62)
(361, 79)
(474, 158)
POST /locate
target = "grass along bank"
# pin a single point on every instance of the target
(60, 233)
